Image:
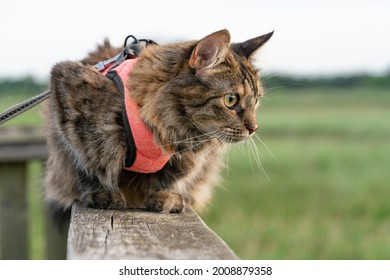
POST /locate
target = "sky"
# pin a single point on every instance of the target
(311, 37)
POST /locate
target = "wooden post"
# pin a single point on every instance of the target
(13, 211)
(130, 234)
(18, 145)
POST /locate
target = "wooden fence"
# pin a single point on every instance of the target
(93, 233)
(18, 147)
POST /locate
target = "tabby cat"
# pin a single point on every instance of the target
(195, 97)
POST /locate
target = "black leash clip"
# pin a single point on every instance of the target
(130, 50)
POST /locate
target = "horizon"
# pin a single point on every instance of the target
(264, 76)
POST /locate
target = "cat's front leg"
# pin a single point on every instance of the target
(103, 199)
(166, 201)
(94, 194)
(146, 191)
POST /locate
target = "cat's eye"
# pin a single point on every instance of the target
(230, 99)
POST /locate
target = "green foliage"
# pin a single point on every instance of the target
(15, 91)
(22, 87)
(347, 81)
(36, 212)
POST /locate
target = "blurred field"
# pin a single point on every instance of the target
(328, 189)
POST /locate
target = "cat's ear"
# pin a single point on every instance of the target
(211, 50)
(248, 48)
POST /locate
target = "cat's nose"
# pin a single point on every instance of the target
(252, 127)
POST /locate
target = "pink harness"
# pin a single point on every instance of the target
(143, 155)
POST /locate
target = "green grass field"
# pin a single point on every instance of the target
(328, 188)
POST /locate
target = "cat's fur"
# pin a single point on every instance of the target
(181, 90)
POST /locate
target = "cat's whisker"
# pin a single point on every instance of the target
(128, 185)
(241, 146)
(266, 80)
(257, 156)
(190, 140)
(250, 156)
(194, 139)
(191, 147)
(217, 132)
(266, 147)
(193, 121)
(270, 77)
(214, 148)
(256, 150)
(227, 157)
(273, 88)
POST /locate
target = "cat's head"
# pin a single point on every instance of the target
(210, 88)
(228, 106)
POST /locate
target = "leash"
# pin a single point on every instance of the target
(23, 106)
(130, 50)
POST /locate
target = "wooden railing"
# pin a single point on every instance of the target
(19, 146)
(93, 233)
(127, 234)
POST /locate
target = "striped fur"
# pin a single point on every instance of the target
(181, 90)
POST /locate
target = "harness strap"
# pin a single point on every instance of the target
(143, 154)
(131, 149)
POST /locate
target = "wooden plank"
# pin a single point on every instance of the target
(19, 144)
(13, 211)
(18, 153)
(131, 234)
(21, 135)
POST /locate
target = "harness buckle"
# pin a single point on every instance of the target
(130, 51)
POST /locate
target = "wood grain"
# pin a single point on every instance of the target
(131, 234)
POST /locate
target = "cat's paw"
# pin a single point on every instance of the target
(168, 202)
(103, 200)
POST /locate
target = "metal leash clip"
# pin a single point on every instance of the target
(131, 50)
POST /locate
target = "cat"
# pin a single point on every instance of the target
(195, 97)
